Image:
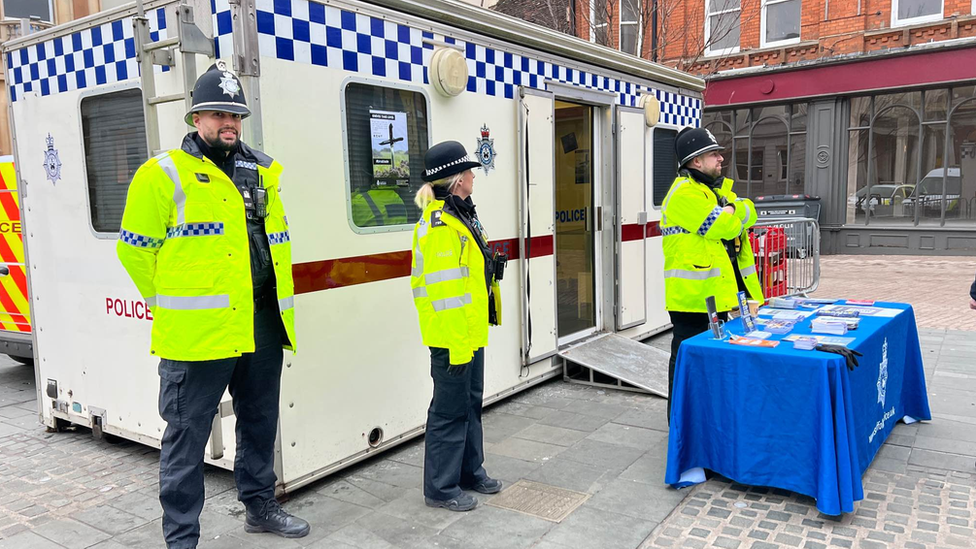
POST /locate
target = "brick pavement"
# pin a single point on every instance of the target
(937, 287)
(65, 490)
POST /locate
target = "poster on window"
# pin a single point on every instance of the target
(391, 150)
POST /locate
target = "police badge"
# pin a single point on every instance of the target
(486, 149)
(52, 164)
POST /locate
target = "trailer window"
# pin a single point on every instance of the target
(386, 138)
(115, 147)
(665, 167)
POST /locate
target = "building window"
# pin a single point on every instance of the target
(42, 10)
(912, 159)
(630, 27)
(386, 139)
(722, 26)
(780, 22)
(911, 12)
(115, 147)
(765, 148)
(599, 22)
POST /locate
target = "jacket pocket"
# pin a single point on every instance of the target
(195, 278)
(172, 394)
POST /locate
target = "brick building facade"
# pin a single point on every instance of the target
(868, 104)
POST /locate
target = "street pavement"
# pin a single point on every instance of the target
(66, 490)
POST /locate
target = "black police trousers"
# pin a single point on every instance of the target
(684, 326)
(189, 393)
(454, 446)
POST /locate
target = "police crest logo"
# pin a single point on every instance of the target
(486, 149)
(229, 84)
(710, 136)
(883, 374)
(52, 163)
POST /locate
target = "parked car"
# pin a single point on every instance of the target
(928, 193)
(886, 200)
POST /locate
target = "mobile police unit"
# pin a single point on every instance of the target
(576, 146)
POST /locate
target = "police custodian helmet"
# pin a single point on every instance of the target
(692, 142)
(218, 89)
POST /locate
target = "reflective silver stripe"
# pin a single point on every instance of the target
(692, 275)
(169, 167)
(451, 302)
(749, 211)
(151, 301)
(377, 214)
(192, 303)
(447, 274)
(751, 270)
(420, 291)
(422, 229)
(664, 207)
(286, 303)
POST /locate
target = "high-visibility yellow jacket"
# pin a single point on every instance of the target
(185, 244)
(449, 286)
(696, 262)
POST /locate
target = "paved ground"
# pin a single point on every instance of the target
(65, 490)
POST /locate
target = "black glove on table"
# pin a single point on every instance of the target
(849, 354)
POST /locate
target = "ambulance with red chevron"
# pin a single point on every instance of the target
(15, 327)
(576, 145)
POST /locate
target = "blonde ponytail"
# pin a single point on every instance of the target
(425, 194)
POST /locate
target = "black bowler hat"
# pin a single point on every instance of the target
(446, 159)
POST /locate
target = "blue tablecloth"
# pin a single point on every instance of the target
(797, 420)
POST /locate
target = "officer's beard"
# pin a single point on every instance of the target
(218, 144)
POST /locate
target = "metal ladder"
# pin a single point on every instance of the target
(189, 41)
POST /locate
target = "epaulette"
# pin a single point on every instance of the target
(435, 218)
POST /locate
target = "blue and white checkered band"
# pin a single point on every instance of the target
(84, 59)
(195, 229)
(279, 238)
(709, 221)
(140, 241)
(246, 165)
(305, 31)
(671, 231)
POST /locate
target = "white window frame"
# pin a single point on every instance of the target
(762, 26)
(895, 22)
(50, 4)
(636, 23)
(593, 25)
(708, 31)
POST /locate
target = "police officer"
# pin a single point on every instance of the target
(205, 240)
(706, 245)
(455, 288)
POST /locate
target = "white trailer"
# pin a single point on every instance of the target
(576, 141)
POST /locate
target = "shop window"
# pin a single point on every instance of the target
(911, 12)
(386, 138)
(722, 25)
(115, 147)
(780, 22)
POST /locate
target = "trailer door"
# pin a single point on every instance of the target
(537, 264)
(631, 294)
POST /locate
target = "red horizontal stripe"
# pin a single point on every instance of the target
(638, 232)
(349, 271)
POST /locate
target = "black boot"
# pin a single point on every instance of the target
(272, 518)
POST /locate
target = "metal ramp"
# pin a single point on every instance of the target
(617, 362)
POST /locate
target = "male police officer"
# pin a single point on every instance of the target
(205, 240)
(706, 248)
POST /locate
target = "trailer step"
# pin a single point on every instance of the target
(617, 362)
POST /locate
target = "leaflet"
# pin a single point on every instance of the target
(825, 339)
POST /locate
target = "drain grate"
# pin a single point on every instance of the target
(539, 500)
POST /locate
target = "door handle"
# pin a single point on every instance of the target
(599, 218)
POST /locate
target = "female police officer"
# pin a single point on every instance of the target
(455, 290)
